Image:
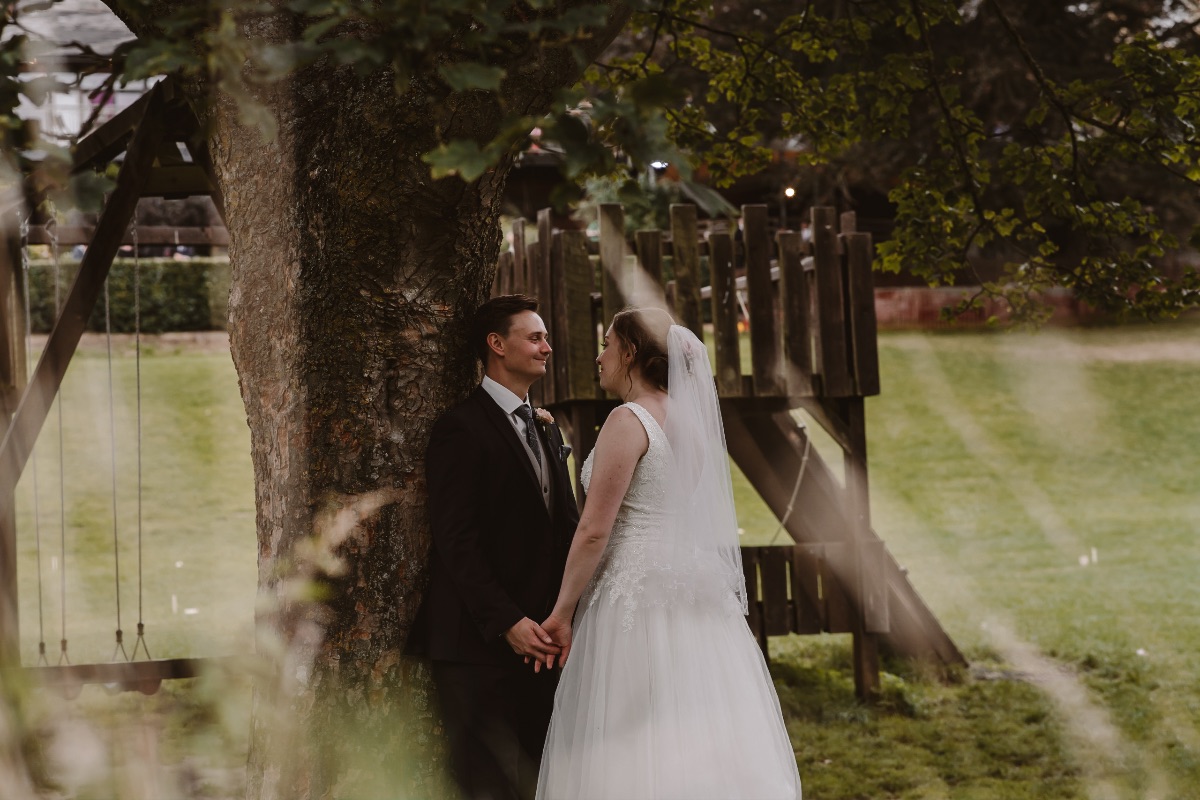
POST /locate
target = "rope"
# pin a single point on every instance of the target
(112, 430)
(795, 489)
(137, 359)
(63, 657)
(23, 225)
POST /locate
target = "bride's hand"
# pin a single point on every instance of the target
(559, 630)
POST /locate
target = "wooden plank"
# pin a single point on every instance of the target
(831, 315)
(872, 555)
(545, 295)
(502, 282)
(143, 676)
(81, 299)
(807, 603)
(533, 259)
(649, 254)
(765, 352)
(848, 222)
(837, 577)
(685, 261)
(773, 569)
(723, 297)
(794, 302)
(754, 608)
(556, 323)
(863, 334)
(612, 259)
(576, 346)
(521, 282)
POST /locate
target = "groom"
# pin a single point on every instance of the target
(502, 514)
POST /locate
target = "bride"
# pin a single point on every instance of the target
(664, 693)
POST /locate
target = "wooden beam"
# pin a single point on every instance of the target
(107, 141)
(81, 299)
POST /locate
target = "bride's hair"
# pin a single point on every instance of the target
(643, 332)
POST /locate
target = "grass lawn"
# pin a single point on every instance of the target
(1042, 491)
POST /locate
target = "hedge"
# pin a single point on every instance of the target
(190, 295)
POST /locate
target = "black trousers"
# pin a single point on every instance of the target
(496, 720)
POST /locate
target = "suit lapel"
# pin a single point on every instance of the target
(509, 434)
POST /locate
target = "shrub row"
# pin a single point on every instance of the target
(188, 295)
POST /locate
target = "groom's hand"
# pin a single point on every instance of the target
(527, 638)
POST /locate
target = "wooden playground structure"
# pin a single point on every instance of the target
(811, 315)
(811, 320)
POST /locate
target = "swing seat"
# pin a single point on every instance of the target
(120, 676)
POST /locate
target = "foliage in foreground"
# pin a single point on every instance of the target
(1059, 142)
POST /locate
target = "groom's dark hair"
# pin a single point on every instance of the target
(495, 316)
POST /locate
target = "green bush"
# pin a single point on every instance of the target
(175, 295)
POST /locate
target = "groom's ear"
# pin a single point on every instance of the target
(495, 343)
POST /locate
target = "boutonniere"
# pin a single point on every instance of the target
(545, 419)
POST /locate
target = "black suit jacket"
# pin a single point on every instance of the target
(498, 554)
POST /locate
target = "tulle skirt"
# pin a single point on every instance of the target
(670, 700)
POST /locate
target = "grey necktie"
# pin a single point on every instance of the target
(526, 413)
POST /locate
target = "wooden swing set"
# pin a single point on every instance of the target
(812, 332)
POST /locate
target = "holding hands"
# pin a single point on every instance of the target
(528, 639)
(554, 647)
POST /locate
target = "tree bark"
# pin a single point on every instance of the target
(353, 275)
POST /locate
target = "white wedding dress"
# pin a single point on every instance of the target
(665, 694)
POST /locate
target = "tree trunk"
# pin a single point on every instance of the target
(353, 275)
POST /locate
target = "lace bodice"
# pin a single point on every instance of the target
(647, 488)
(638, 567)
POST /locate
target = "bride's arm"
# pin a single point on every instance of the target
(621, 444)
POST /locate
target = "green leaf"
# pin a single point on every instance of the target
(461, 157)
(467, 75)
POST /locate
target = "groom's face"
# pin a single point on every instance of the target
(526, 347)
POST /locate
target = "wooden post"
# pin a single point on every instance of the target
(685, 252)
(723, 287)
(612, 259)
(555, 317)
(863, 334)
(795, 302)
(12, 382)
(765, 361)
(831, 315)
(871, 603)
(81, 299)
